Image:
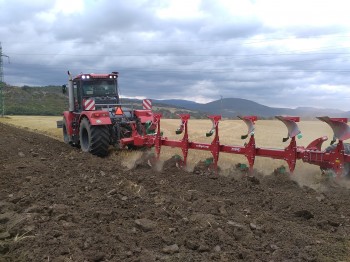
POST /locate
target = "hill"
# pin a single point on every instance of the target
(49, 100)
(232, 107)
(26, 100)
(179, 103)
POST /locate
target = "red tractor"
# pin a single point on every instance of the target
(96, 119)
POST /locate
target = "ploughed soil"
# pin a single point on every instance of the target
(58, 204)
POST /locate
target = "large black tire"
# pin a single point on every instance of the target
(331, 148)
(94, 139)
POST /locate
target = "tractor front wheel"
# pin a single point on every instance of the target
(94, 139)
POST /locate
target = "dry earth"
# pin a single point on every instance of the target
(58, 204)
(269, 134)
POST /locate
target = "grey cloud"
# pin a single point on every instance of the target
(223, 30)
(103, 19)
(207, 56)
(316, 31)
(16, 11)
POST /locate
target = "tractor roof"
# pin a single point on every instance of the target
(82, 76)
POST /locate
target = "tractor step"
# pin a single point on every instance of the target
(59, 124)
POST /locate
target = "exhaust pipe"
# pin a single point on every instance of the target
(70, 92)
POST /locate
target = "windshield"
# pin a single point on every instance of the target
(99, 87)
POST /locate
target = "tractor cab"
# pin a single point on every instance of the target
(95, 91)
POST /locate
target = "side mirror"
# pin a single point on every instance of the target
(64, 89)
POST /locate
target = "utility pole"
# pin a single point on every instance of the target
(2, 84)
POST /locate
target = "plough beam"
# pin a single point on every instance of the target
(334, 158)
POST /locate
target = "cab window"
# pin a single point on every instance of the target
(99, 87)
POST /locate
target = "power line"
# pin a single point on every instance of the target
(250, 41)
(179, 55)
(277, 67)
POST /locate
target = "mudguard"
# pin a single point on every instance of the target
(97, 118)
(69, 116)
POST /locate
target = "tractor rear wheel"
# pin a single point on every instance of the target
(94, 139)
(346, 172)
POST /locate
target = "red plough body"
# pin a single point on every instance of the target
(312, 154)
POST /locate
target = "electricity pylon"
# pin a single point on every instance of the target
(2, 99)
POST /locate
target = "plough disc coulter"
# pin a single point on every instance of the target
(335, 158)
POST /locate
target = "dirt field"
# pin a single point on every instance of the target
(268, 134)
(58, 204)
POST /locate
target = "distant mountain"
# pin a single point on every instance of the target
(311, 111)
(178, 103)
(49, 100)
(232, 107)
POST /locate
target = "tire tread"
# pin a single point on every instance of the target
(99, 140)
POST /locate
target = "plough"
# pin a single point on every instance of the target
(96, 119)
(335, 158)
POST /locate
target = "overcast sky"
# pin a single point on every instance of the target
(286, 53)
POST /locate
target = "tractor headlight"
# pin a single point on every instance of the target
(83, 77)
